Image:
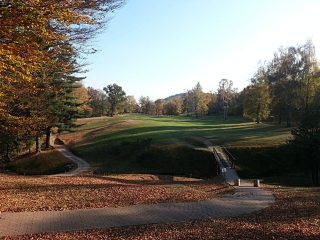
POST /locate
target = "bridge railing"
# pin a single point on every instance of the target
(230, 156)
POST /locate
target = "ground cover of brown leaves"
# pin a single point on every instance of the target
(295, 215)
(23, 193)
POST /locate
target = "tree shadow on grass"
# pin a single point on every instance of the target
(225, 135)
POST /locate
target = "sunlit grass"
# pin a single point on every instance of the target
(233, 132)
(111, 144)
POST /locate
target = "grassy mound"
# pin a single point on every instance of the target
(236, 131)
(123, 144)
(143, 157)
(275, 165)
(50, 162)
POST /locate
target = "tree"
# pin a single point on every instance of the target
(131, 105)
(188, 102)
(159, 104)
(287, 86)
(98, 102)
(115, 97)
(147, 106)
(310, 75)
(212, 105)
(40, 41)
(225, 95)
(173, 107)
(57, 94)
(237, 104)
(291, 76)
(82, 98)
(257, 102)
(306, 143)
(196, 101)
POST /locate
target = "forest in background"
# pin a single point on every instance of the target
(282, 89)
(43, 44)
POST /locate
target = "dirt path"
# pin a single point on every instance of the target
(82, 165)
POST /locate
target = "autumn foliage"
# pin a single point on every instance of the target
(40, 44)
(295, 215)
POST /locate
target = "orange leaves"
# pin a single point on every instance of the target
(295, 215)
(65, 193)
(37, 50)
(29, 28)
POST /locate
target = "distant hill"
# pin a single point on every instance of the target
(179, 95)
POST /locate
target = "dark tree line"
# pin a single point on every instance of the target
(306, 144)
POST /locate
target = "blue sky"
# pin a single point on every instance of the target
(157, 48)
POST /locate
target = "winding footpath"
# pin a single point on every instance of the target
(245, 200)
(82, 165)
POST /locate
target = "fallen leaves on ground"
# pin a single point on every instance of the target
(22, 193)
(295, 215)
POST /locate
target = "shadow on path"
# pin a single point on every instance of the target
(245, 200)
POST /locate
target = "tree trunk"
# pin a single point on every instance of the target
(307, 95)
(258, 119)
(38, 144)
(225, 113)
(280, 116)
(112, 110)
(8, 153)
(258, 113)
(288, 121)
(48, 135)
(316, 182)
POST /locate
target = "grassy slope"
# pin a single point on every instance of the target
(138, 143)
(50, 162)
(275, 165)
(233, 132)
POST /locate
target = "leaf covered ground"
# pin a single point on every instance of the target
(23, 193)
(295, 215)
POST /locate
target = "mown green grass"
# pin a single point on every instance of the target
(233, 132)
(116, 145)
(46, 163)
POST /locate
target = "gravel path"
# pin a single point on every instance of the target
(82, 165)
